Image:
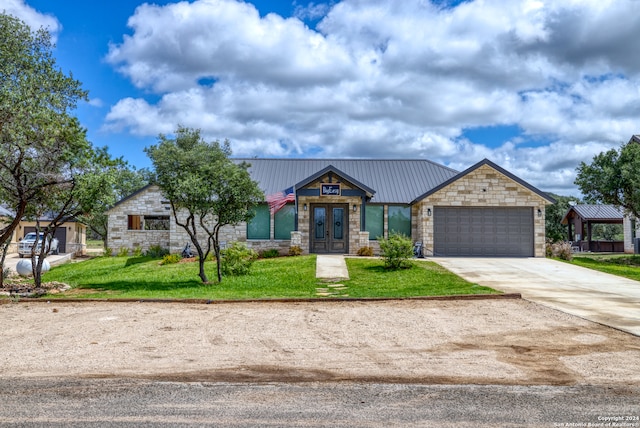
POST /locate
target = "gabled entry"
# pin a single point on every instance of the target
(329, 228)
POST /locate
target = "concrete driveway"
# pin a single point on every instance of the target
(595, 296)
(12, 260)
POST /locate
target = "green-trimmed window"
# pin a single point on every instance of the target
(259, 227)
(374, 219)
(400, 220)
(285, 222)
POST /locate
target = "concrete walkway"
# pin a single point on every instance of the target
(331, 267)
(595, 296)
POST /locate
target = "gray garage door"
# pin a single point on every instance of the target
(483, 231)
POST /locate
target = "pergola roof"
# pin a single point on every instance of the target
(595, 213)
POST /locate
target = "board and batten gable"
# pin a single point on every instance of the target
(483, 185)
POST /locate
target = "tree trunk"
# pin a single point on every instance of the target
(216, 249)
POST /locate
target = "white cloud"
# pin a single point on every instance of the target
(31, 17)
(397, 79)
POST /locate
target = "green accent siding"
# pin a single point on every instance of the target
(259, 226)
(375, 221)
(400, 220)
(285, 220)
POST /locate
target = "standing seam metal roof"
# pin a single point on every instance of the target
(598, 212)
(394, 181)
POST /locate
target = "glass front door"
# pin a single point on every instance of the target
(329, 231)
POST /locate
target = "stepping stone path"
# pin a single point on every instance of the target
(331, 269)
(332, 290)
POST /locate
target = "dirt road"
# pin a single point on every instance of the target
(490, 342)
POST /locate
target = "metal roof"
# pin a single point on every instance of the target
(394, 181)
(596, 212)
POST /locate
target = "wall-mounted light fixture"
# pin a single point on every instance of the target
(428, 212)
(355, 208)
(539, 212)
(304, 207)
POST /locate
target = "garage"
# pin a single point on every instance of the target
(60, 234)
(484, 231)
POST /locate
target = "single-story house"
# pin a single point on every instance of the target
(71, 235)
(341, 205)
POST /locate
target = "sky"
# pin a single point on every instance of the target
(535, 86)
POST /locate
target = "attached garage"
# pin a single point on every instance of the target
(484, 231)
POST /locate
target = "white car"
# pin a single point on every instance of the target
(26, 244)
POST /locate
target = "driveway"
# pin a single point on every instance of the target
(12, 260)
(595, 296)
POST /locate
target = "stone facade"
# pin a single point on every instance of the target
(629, 232)
(483, 187)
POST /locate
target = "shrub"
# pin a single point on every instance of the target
(156, 251)
(396, 251)
(365, 251)
(295, 250)
(169, 259)
(123, 252)
(137, 251)
(270, 253)
(561, 250)
(237, 259)
(108, 252)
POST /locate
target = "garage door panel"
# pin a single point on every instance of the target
(483, 231)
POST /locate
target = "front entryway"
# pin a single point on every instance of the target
(329, 228)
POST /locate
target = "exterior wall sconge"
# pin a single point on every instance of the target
(355, 208)
(428, 212)
(304, 207)
(539, 212)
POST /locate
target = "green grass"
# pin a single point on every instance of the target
(622, 265)
(285, 277)
(369, 278)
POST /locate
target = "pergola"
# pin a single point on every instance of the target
(581, 218)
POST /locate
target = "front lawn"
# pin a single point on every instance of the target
(627, 266)
(286, 277)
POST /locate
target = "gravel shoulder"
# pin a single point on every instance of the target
(484, 342)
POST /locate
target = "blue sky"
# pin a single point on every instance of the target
(536, 87)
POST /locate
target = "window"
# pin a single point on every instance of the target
(400, 220)
(134, 222)
(259, 226)
(157, 222)
(374, 220)
(285, 222)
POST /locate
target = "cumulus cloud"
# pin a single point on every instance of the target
(31, 17)
(396, 79)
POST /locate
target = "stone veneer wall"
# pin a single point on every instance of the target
(304, 217)
(483, 187)
(628, 234)
(148, 202)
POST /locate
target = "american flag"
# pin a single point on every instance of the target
(280, 199)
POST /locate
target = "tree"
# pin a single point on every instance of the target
(554, 230)
(36, 130)
(82, 183)
(205, 188)
(613, 178)
(119, 180)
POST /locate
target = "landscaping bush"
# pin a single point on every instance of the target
(269, 254)
(561, 250)
(137, 251)
(123, 252)
(396, 251)
(108, 252)
(365, 251)
(156, 251)
(237, 259)
(169, 259)
(295, 250)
